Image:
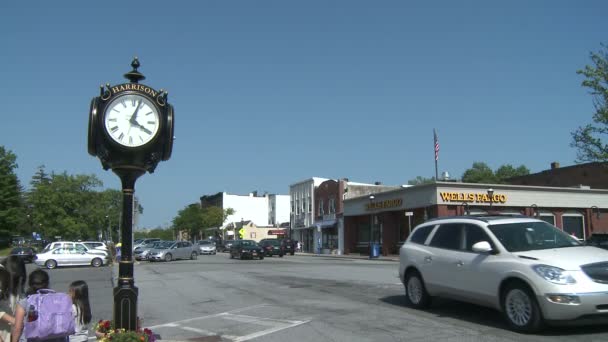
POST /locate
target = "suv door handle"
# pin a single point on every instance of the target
(428, 259)
(460, 263)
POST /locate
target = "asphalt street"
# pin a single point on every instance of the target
(296, 298)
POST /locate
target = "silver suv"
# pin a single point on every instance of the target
(531, 271)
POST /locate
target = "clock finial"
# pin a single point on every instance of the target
(135, 76)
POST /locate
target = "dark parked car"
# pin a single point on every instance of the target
(272, 247)
(224, 247)
(289, 246)
(25, 253)
(598, 240)
(246, 249)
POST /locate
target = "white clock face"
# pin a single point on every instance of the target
(131, 120)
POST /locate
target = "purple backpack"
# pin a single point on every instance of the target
(49, 315)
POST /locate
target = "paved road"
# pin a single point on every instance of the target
(295, 298)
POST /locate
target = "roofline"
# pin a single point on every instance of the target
(485, 185)
(596, 163)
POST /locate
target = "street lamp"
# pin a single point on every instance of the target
(491, 195)
(466, 207)
(371, 223)
(597, 211)
(535, 212)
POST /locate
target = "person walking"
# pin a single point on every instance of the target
(37, 280)
(6, 313)
(17, 277)
(81, 310)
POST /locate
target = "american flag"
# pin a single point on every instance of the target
(436, 144)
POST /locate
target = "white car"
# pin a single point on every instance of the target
(531, 271)
(207, 247)
(96, 245)
(78, 245)
(69, 256)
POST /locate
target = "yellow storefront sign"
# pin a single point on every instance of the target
(472, 197)
(391, 203)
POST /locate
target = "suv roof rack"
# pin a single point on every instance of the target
(481, 217)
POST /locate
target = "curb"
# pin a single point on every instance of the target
(391, 259)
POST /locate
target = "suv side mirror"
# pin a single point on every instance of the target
(482, 247)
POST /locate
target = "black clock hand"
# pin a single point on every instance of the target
(133, 119)
(145, 129)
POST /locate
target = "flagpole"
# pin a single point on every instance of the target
(436, 148)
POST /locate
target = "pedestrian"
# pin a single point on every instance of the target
(6, 313)
(37, 280)
(118, 251)
(299, 246)
(81, 310)
(17, 276)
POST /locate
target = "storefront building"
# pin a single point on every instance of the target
(388, 217)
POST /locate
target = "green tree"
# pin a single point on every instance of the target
(419, 180)
(11, 213)
(189, 219)
(589, 140)
(481, 173)
(508, 171)
(71, 206)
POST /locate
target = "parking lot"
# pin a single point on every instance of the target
(295, 298)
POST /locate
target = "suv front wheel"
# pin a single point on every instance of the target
(415, 292)
(520, 309)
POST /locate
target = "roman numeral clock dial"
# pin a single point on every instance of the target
(131, 120)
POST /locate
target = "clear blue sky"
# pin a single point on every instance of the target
(268, 93)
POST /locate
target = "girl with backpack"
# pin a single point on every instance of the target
(27, 311)
(81, 310)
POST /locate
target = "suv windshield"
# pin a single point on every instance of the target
(527, 236)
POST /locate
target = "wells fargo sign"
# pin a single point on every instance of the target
(391, 203)
(472, 197)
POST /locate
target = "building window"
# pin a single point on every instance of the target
(309, 204)
(252, 235)
(321, 212)
(547, 217)
(297, 207)
(293, 209)
(303, 205)
(332, 206)
(574, 224)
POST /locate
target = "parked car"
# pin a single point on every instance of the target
(143, 242)
(96, 245)
(78, 245)
(526, 268)
(207, 247)
(272, 247)
(289, 246)
(598, 240)
(246, 249)
(141, 252)
(227, 246)
(69, 256)
(173, 250)
(27, 254)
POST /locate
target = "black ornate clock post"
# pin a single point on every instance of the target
(130, 131)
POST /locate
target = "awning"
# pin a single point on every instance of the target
(326, 223)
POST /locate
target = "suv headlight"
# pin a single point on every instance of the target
(553, 274)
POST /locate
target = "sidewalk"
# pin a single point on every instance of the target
(391, 257)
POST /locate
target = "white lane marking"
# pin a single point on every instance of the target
(172, 324)
(266, 332)
(207, 332)
(262, 320)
